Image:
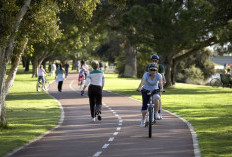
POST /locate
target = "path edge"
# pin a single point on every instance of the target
(61, 120)
(196, 149)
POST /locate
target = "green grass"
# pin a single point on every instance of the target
(29, 114)
(208, 109)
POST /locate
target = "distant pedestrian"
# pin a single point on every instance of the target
(96, 80)
(66, 68)
(60, 77)
(100, 65)
(53, 69)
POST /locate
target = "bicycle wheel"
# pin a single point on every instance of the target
(38, 87)
(150, 122)
(46, 85)
(215, 82)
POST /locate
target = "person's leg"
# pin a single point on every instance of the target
(144, 108)
(98, 94)
(60, 83)
(156, 101)
(91, 101)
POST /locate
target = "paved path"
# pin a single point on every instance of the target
(117, 135)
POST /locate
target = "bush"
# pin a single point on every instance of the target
(192, 75)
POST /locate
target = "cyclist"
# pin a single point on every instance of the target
(81, 75)
(155, 59)
(41, 75)
(96, 80)
(151, 80)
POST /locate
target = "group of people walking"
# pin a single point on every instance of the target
(153, 79)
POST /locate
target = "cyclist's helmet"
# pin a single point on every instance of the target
(153, 66)
(155, 57)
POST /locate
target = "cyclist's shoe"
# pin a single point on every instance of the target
(142, 124)
(93, 119)
(157, 116)
(160, 114)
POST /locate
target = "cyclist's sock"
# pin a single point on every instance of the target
(159, 111)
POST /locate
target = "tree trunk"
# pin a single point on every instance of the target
(14, 67)
(130, 66)
(3, 63)
(5, 54)
(27, 64)
(35, 66)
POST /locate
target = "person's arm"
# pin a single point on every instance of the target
(141, 85)
(161, 86)
(163, 78)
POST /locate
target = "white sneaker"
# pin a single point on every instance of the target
(157, 116)
(142, 124)
(160, 114)
(93, 119)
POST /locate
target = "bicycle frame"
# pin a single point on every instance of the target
(150, 115)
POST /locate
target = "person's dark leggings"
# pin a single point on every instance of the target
(95, 99)
(60, 83)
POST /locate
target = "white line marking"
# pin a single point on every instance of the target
(118, 129)
(111, 139)
(119, 118)
(197, 152)
(120, 121)
(114, 112)
(97, 154)
(116, 115)
(110, 108)
(61, 120)
(116, 133)
(107, 106)
(105, 146)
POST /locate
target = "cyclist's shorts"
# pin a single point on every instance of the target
(146, 100)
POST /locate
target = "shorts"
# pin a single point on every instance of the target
(146, 100)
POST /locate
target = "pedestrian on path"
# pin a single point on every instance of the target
(60, 77)
(96, 80)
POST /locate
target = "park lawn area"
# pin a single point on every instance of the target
(29, 113)
(208, 109)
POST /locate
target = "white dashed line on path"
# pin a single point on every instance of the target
(111, 139)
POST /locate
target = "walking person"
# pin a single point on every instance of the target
(66, 67)
(53, 69)
(60, 77)
(96, 80)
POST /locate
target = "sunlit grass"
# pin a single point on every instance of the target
(208, 109)
(29, 114)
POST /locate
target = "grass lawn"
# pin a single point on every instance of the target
(29, 114)
(208, 109)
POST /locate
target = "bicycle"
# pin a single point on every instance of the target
(42, 86)
(215, 82)
(81, 80)
(150, 120)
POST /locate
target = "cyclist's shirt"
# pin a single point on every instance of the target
(161, 68)
(41, 72)
(151, 84)
(81, 72)
(95, 77)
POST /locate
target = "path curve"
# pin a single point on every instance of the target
(117, 135)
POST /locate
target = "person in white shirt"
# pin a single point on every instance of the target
(41, 74)
(96, 80)
(53, 69)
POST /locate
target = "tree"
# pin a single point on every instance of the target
(12, 15)
(179, 29)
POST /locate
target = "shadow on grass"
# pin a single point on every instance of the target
(26, 96)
